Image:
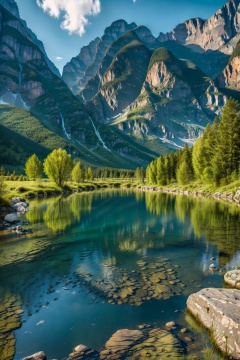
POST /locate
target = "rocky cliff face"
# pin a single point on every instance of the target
(123, 79)
(110, 35)
(175, 104)
(74, 70)
(230, 76)
(26, 80)
(212, 34)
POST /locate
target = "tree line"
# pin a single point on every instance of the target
(214, 158)
(59, 167)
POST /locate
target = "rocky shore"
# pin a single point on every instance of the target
(227, 196)
(10, 214)
(219, 311)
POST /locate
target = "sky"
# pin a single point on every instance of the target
(65, 26)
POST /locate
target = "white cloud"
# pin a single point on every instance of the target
(58, 58)
(74, 12)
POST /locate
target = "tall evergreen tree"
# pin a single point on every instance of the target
(226, 160)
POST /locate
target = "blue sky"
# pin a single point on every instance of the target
(64, 26)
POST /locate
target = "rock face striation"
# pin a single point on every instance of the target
(219, 311)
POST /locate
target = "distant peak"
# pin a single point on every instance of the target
(11, 6)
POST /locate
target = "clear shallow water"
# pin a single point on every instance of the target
(97, 238)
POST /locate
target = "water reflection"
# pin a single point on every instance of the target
(217, 221)
(60, 213)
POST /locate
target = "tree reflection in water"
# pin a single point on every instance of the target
(218, 221)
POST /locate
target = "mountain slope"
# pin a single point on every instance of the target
(177, 100)
(123, 79)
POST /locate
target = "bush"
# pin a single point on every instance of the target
(21, 189)
(4, 202)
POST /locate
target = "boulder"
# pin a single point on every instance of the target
(123, 339)
(11, 218)
(237, 196)
(20, 204)
(38, 356)
(82, 352)
(16, 200)
(219, 311)
(232, 278)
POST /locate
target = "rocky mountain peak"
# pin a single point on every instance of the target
(145, 35)
(76, 80)
(212, 34)
(11, 6)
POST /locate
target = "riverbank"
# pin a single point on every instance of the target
(231, 196)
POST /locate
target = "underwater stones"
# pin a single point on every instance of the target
(122, 340)
(10, 311)
(170, 324)
(155, 280)
(159, 344)
(38, 356)
(125, 292)
(219, 311)
(232, 278)
(82, 352)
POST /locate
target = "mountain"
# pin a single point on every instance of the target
(89, 64)
(212, 34)
(133, 96)
(175, 104)
(122, 81)
(27, 81)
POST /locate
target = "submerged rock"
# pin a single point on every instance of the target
(38, 356)
(82, 352)
(219, 311)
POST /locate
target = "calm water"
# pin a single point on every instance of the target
(85, 247)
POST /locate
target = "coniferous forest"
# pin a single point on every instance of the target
(214, 158)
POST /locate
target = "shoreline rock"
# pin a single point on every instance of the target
(147, 343)
(38, 356)
(232, 278)
(219, 311)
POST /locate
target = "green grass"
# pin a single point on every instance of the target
(48, 188)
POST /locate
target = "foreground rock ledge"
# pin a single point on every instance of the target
(219, 311)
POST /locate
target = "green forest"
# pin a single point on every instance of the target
(214, 158)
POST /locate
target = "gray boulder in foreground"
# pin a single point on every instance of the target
(38, 356)
(219, 311)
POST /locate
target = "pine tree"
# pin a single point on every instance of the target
(226, 160)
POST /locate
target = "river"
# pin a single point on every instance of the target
(89, 268)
